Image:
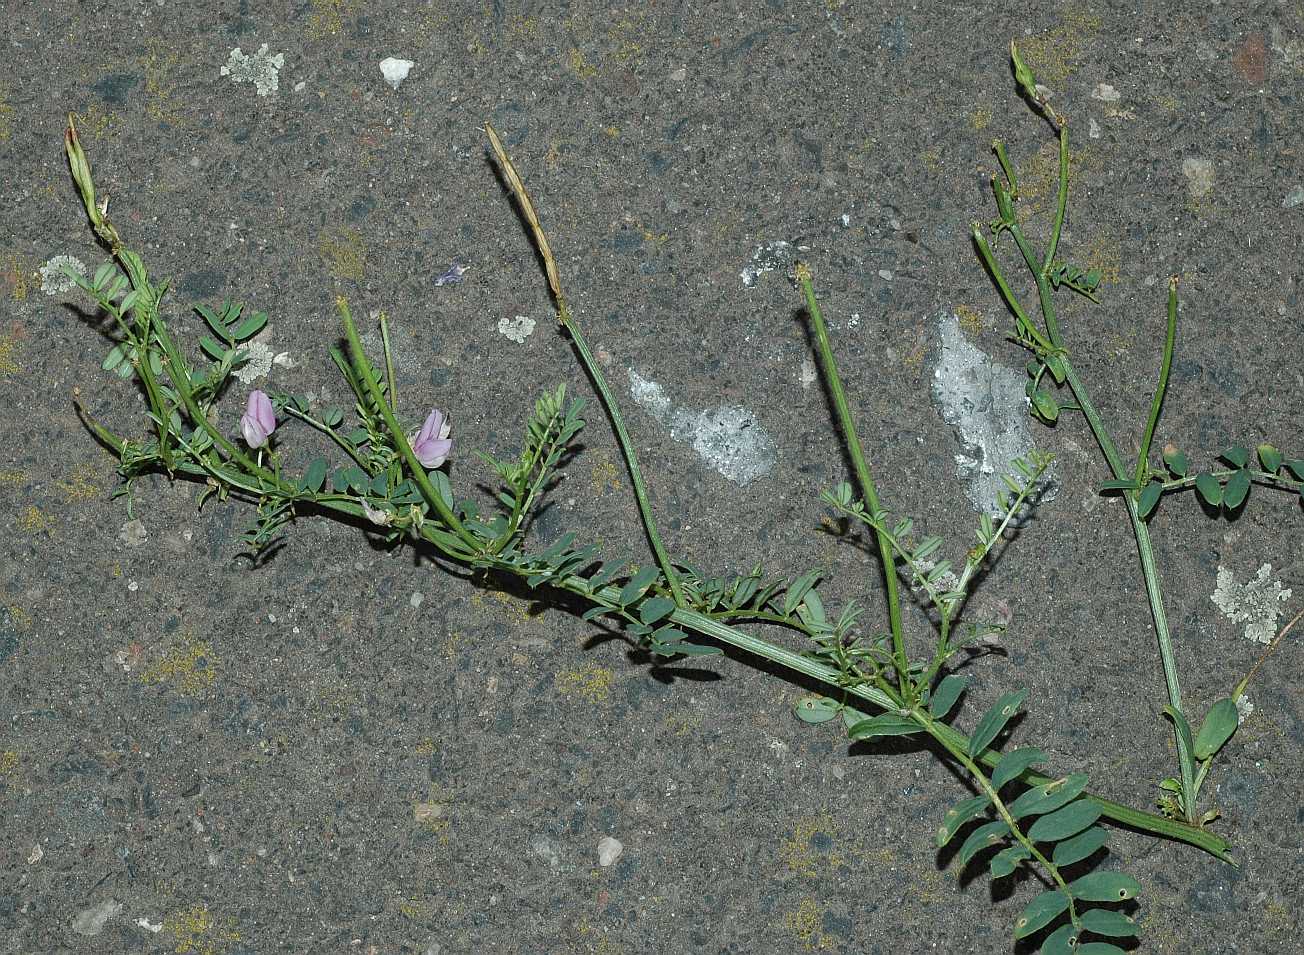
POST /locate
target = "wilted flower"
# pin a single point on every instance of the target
(258, 421)
(432, 444)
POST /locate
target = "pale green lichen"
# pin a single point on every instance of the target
(1255, 603)
(262, 69)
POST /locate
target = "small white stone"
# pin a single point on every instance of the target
(395, 70)
(680, 74)
(609, 850)
(885, 275)
(1293, 198)
(1093, 129)
(416, 600)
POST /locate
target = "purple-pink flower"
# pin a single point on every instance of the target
(432, 444)
(258, 421)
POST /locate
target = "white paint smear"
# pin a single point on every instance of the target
(985, 404)
(1255, 603)
(729, 438)
(766, 258)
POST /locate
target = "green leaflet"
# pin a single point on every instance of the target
(816, 709)
(1108, 922)
(1079, 847)
(1015, 762)
(1065, 822)
(1049, 796)
(1006, 862)
(994, 720)
(1040, 912)
(1217, 728)
(886, 724)
(1105, 887)
(947, 692)
(958, 815)
(984, 837)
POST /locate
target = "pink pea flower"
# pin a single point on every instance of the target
(258, 421)
(432, 444)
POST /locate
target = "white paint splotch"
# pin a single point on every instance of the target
(766, 258)
(729, 438)
(1255, 603)
(984, 402)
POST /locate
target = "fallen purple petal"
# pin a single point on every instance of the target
(454, 274)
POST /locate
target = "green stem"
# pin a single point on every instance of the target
(626, 448)
(1145, 551)
(1157, 403)
(1061, 199)
(863, 477)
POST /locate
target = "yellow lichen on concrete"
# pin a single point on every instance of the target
(18, 273)
(604, 477)
(970, 319)
(806, 921)
(9, 356)
(578, 65)
(517, 609)
(589, 682)
(6, 115)
(81, 484)
(12, 478)
(1053, 56)
(797, 852)
(344, 252)
(32, 520)
(190, 668)
(9, 760)
(196, 931)
(1103, 253)
(159, 65)
(327, 17)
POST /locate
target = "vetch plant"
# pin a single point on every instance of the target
(1021, 817)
